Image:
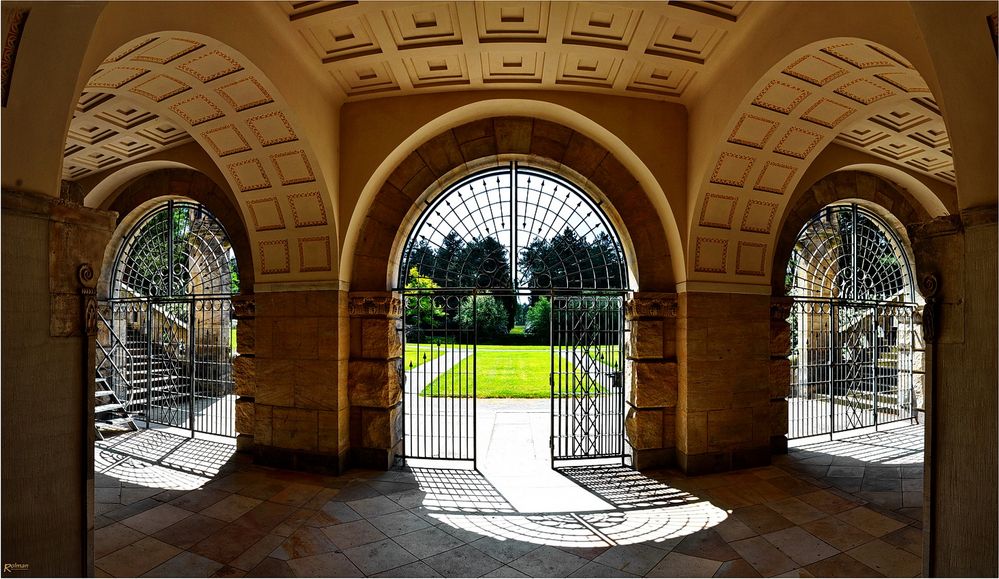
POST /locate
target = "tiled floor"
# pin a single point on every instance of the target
(172, 507)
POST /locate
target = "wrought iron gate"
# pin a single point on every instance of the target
(587, 376)
(853, 333)
(514, 234)
(168, 335)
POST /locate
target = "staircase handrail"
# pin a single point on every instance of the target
(117, 342)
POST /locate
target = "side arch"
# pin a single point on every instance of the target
(892, 203)
(132, 201)
(826, 90)
(431, 155)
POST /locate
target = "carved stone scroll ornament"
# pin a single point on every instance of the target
(88, 293)
(780, 307)
(651, 306)
(386, 306)
(930, 285)
(244, 307)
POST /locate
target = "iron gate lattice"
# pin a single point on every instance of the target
(853, 333)
(516, 235)
(168, 336)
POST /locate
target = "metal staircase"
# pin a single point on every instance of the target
(108, 409)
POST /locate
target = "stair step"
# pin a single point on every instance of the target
(115, 421)
(99, 393)
(109, 407)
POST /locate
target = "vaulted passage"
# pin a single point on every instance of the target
(167, 336)
(522, 249)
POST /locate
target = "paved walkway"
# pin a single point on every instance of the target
(168, 506)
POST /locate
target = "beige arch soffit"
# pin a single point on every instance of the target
(118, 179)
(930, 202)
(168, 87)
(857, 93)
(513, 107)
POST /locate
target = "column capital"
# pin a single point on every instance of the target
(374, 305)
(654, 305)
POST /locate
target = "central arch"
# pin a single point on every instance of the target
(484, 249)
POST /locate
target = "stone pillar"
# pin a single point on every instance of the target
(244, 370)
(956, 265)
(299, 391)
(723, 407)
(780, 371)
(48, 389)
(375, 377)
(651, 421)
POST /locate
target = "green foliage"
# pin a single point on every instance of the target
(488, 315)
(539, 318)
(568, 260)
(421, 311)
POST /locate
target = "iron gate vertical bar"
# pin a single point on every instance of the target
(874, 363)
(551, 378)
(475, 375)
(149, 362)
(191, 369)
(833, 351)
(170, 248)
(514, 282)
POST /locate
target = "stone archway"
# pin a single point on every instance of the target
(374, 367)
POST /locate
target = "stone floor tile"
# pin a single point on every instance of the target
(353, 534)
(881, 484)
(292, 523)
(392, 487)
(847, 484)
(505, 571)
(227, 543)
(102, 480)
(589, 553)
(736, 568)
(227, 571)
(263, 489)
(915, 472)
(464, 535)
(101, 521)
(324, 565)
(912, 485)
(169, 495)
(185, 564)
(257, 552)
(914, 513)
(198, 500)
(185, 533)
(801, 546)
(305, 542)
(398, 523)
(503, 550)
(231, 508)
(126, 511)
(706, 545)
(136, 494)
(764, 557)
(732, 529)
(102, 508)
(680, 565)
(108, 495)
(671, 543)
(887, 559)
(796, 510)
(264, 517)
(409, 499)
(594, 569)
(374, 506)
(796, 573)
(762, 519)
(845, 471)
(827, 501)
(869, 521)
(883, 500)
(428, 542)
(156, 519)
(912, 499)
(908, 538)
(415, 569)
(113, 537)
(633, 559)
(548, 561)
(271, 568)
(296, 495)
(137, 558)
(355, 491)
(883, 472)
(841, 565)
(333, 513)
(380, 556)
(793, 486)
(837, 533)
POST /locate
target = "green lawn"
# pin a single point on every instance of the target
(502, 372)
(422, 353)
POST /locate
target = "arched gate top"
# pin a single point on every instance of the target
(514, 227)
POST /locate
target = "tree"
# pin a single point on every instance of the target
(568, 260)
(486, 313)
(422, 313)
(539, 318)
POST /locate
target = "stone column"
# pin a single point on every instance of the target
(780, 371)
(244, 369)
(651, 422)
(375, 378)
(52, 249)
(298, 391)
(723, 406)
(956, 265)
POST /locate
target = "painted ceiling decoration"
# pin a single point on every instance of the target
(857, 93)
(171, 88)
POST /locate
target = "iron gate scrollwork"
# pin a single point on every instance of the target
(853, 330)
(168, 333)
(513, 236)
